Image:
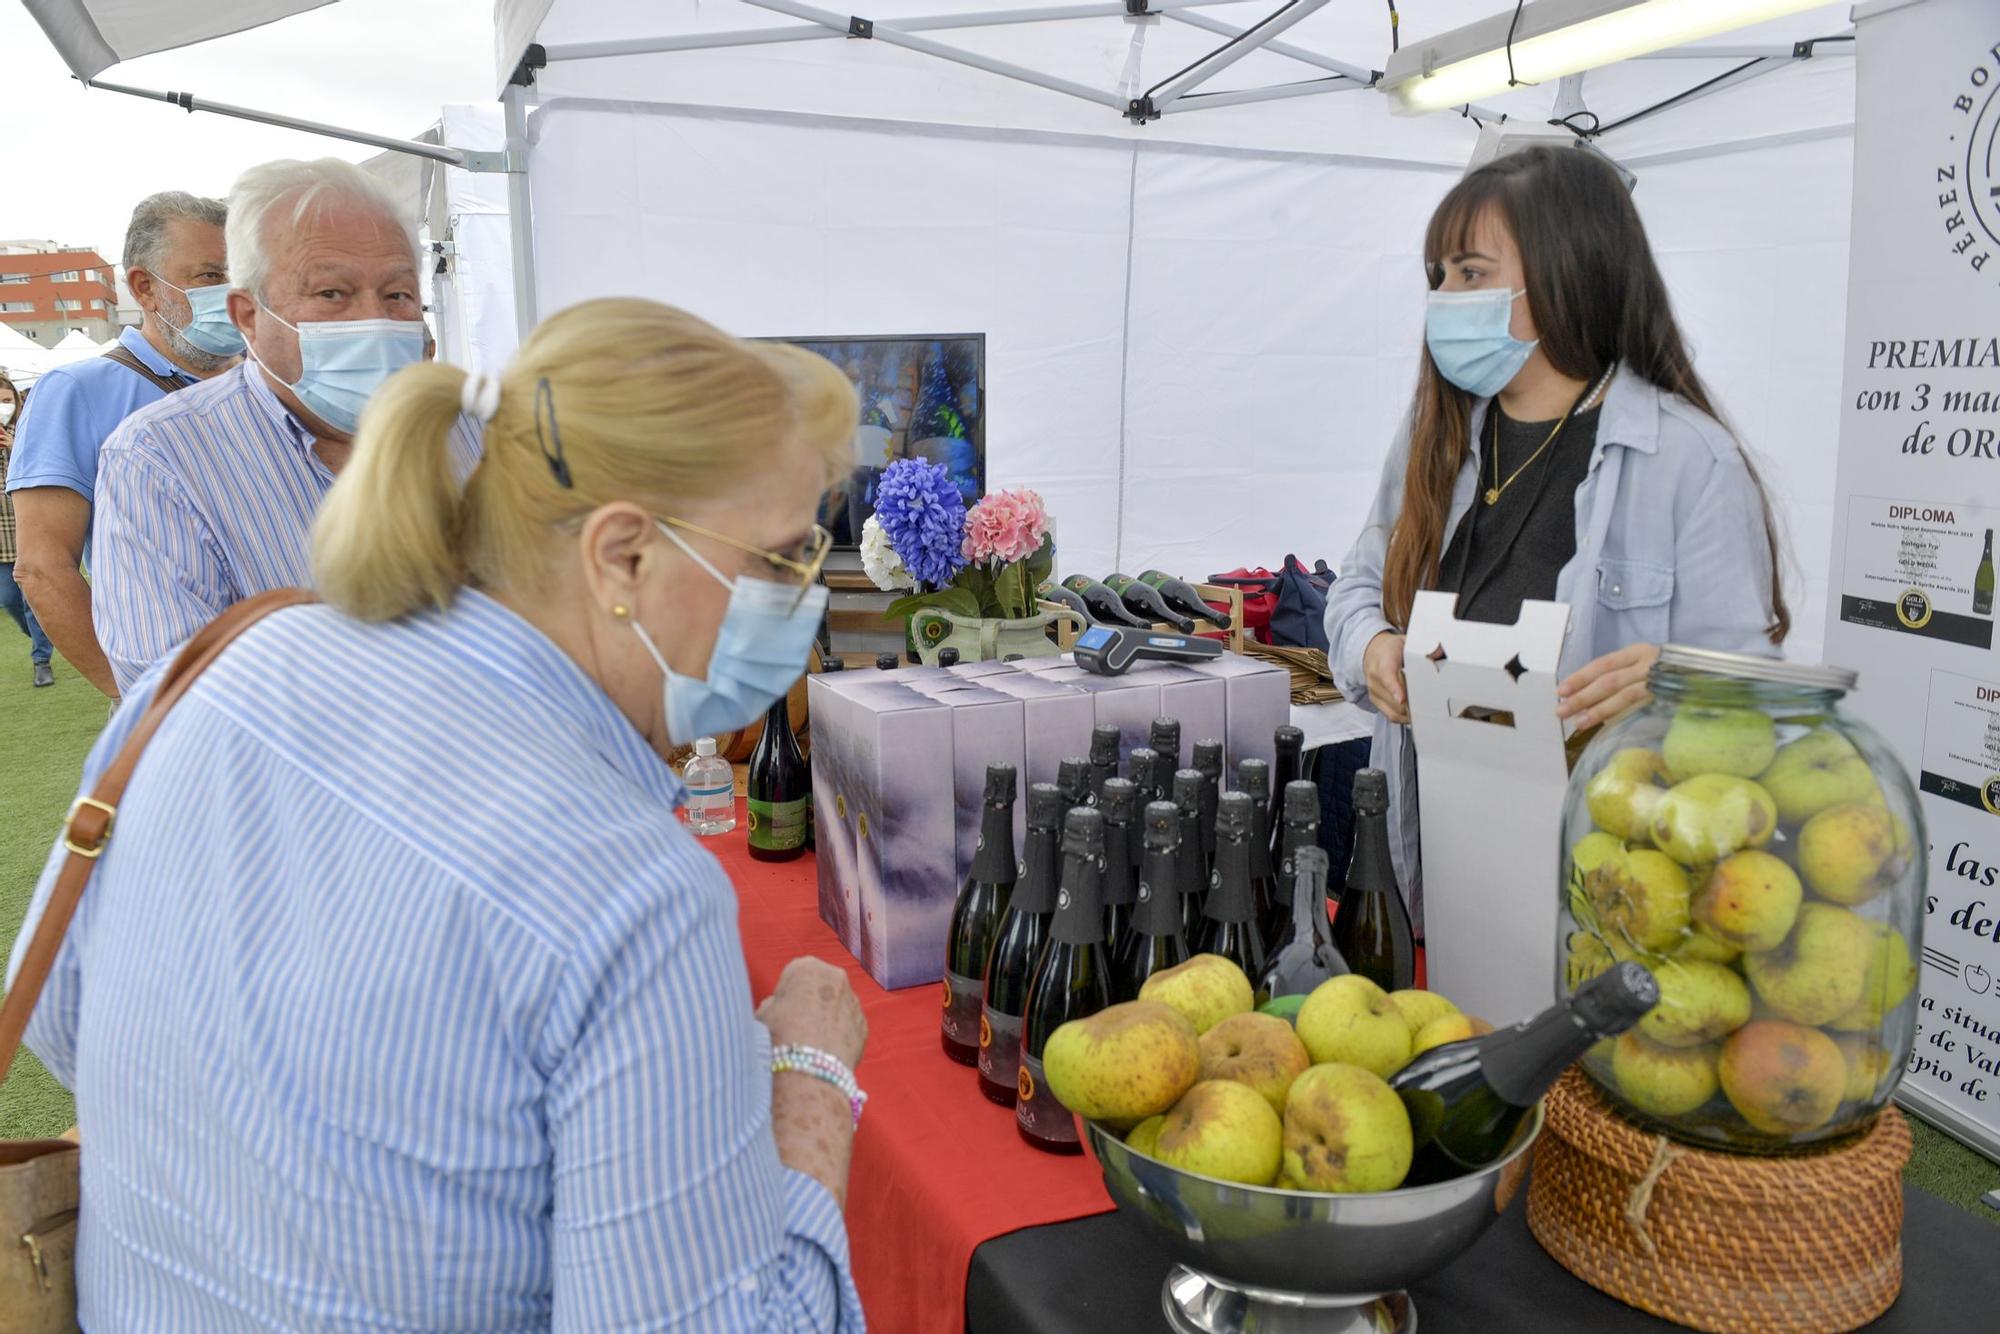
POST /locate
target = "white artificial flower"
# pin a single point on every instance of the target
(880, 561)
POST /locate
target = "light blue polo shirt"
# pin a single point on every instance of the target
(73, 409)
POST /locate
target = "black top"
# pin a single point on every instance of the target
(1506, 553)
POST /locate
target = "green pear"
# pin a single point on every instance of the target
(1588, 956)
(1207, 989)
(1124, 1063)
(1784, 1079)
(1891, 977)
(1625, 793)
(1702, 740)
(1699, 1002)
(1350, 1019)
(1700, 945)
(1818, 973)
(1848, 853)
(1260, 1050)
(1225, 1130)
(1663, 1081)
(1641, 895)
(1420, 1007)
(1345, 1131)
(1820, 769)
(1709, 816)
(1750, 901)
(1868, 1065)
(1590, 852)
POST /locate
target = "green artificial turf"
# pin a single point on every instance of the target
(44, 735)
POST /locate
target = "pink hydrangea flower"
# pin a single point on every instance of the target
(1006, 526)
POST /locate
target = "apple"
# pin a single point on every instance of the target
(1420, 1007)
(1350, 1019)
(1624, 794)
(1709, 816)
(1820, 769)
(1700, 945)
(1891, 976)
(1702, 740)
(1225, 1130)
(1145, 1137)
(1260, 1050)
(1699, 1002)
(1868, 1065)
(1445, 1028)
(1346, 1131)
(1207, 989)
(1849, 853)
(1641, 895)
(1663, 1081)
(1784, 1079)
(1124, 1063)
(1818, 973)
(1749, 901)
(1976, 979)
(1283, 1007)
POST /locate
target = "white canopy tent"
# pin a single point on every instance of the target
(1202, 328)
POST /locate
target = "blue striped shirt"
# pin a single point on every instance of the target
(204, 499)
(402, 1000)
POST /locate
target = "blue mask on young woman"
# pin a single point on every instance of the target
(208, 327)
(343, 362)
(1469, 340)
(760, 651)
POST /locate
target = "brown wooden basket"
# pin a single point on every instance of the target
(1715, 1241)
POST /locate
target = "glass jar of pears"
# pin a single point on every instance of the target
(1761, 851)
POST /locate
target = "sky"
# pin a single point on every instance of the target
(77, 160)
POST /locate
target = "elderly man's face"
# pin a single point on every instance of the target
(341, 262)
(194, 256)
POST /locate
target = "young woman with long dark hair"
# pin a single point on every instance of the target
(1560, 446)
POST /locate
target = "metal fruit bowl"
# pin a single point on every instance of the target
(1256, 1258)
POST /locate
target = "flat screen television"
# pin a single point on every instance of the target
(922, 396)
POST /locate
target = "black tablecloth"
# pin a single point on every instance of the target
(1102, 1275)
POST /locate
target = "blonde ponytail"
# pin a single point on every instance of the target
(386, 542)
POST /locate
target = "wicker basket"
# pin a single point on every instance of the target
(1717, 1241)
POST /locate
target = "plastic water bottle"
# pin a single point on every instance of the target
(711, 784)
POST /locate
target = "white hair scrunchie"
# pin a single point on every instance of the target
(480, 395)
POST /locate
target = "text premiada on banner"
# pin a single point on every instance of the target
(1917, 500)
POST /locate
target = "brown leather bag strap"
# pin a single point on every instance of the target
(123, 356)
(88, 828)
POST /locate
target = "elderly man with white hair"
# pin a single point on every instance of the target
(208, 497)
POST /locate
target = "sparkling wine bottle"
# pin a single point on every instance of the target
(1105, 606)
(1073, 781)
(1072, 981)
(1165, 737)
(1104, 744)
(976, 916)
(778, 792)
(1982, 580)
(1118, 803)
(1287, 769)
(1253, 778)
(1143, 600)
(1018, 947)
(1191, 869)
(1468, 1101)
(1371, 929)
(1056, 593)
(1230, 926)
(1183, 597)
(1208, 762)
(1144, 770)
(1158, 939)
(1304, 956)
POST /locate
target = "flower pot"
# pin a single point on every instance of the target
(979, 639)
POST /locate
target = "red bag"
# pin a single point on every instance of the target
(1260, 598)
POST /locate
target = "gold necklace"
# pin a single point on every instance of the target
(1494, 492)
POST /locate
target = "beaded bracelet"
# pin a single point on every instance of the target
(821, 1065)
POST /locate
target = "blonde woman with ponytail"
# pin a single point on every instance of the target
(440, 1015)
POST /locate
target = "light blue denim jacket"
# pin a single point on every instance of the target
(1670, 548)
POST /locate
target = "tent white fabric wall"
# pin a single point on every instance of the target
(1202, 332)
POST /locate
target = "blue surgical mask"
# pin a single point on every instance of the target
(760, 651)
(343, 362)
(1469, 341)
(208, 327)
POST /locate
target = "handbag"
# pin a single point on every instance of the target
(1300, 618)
(40, 1178)
(1260, 598)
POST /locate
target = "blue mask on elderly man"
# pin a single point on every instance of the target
(343, 362)
(760, 650)
(1467, 333)
(208, 327)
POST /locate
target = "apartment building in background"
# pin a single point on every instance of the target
(47, 289)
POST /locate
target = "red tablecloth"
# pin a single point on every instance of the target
(937, 1168)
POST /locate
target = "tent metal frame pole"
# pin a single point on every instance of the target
(863, 28)
(1756, 68)
(520, 205)
(1237, 48)
(812, 32)
(1332, 83)
(1365, 77)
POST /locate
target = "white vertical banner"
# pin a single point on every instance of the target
(1917, 500)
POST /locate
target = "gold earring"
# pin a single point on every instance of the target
(620, 610)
